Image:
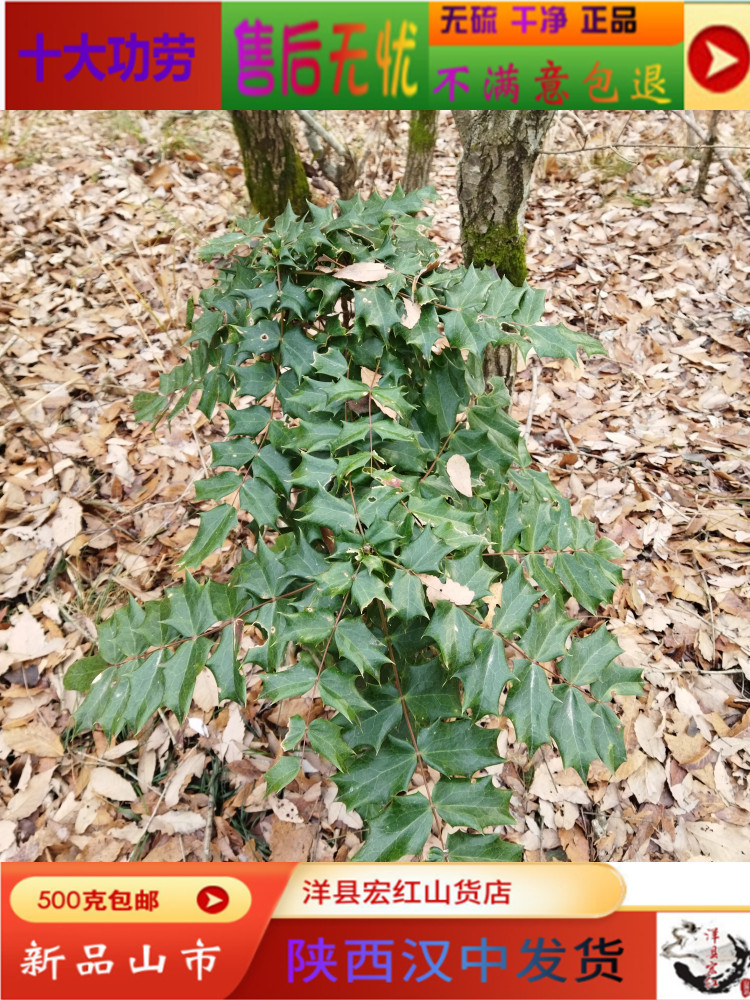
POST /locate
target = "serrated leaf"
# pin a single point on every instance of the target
(485, 677)
(402, 829)
(214, 527)
(528, 705)
(561, 342)
(617, 680)
(146, 691)
(368, 588)
(296, 731)
(408, 596)
(430, 694)
(330, 512)
(222, 245)
(80, 675)
(372, 730)
(583, 580)
(608, 735)
(548, 629)
(190, 608)
(472, 847)
(475, 804)
(425, 332)
(224, 665)
(570, 725)
(314, 471)
(518, 599)
(260, 501)
(298, 352)
(250, 421)
(325, 739)
(120, 636)
(282, 773)
(588, 657)
(181, 672)
(291, 683)
(217, 487)
(458, 748)
(340, 691)
(357, 643)
(149, 405)
(375, 306)
(372, 780)
(453, 633)
(424, 553)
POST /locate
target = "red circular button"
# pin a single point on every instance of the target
(719, 58)
(213, 899)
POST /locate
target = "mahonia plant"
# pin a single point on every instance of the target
(402, 543)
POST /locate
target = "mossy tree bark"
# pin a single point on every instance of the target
(423, 126)
(273, 169)
(500, 149)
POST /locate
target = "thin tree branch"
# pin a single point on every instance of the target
(721, 156)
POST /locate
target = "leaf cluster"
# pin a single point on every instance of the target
(349, 364)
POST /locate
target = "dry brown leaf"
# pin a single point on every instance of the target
(34, 738)
(575, 844)
(493, 601)
(649, 738)
(459, 474)
(107, 782)
(647, 783)
(179, 821)
(369, 377)
(120, 750)
(285, 809)
(413, 312)
(190, 767)
(290, 841)
(366, 270)
(451, 591)
(721, 842)
(25, 802)
(7, 834)
(26, 640)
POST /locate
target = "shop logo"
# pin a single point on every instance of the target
(706, 959)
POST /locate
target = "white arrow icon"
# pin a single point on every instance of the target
(720, 59)
(212, 900)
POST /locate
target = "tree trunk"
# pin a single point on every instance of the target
(273, 169)
(500, 149)
(423, 126)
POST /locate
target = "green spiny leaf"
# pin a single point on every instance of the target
(400, 830)
(214, 527)
(475, 804)
(284, 771)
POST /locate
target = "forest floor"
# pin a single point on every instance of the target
(101, 214)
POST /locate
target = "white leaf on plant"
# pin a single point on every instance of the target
(366, 270)
(451, 591)
(493, 601)
(413, 312)
(459, 474)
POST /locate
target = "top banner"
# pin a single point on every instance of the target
(659, 54)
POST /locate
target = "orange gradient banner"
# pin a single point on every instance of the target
(653, 23)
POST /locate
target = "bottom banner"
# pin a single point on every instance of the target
(455, 957)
